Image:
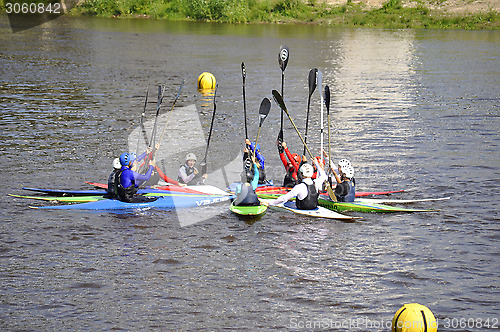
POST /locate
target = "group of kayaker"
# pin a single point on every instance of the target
(125, 180)
(306, 180)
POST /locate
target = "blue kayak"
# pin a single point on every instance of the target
(161, 202)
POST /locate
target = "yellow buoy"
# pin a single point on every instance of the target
(414, 317)
(206, 81)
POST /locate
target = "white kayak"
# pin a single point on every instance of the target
(319, 212)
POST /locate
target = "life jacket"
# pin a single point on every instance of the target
(246, 197)
(342, 191)
(124, 194)
(289, 181)
(111, 192)
(310, 202)
(189, 171)
(352, 192)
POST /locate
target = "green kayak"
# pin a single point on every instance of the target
(359, 206)
(252, 211)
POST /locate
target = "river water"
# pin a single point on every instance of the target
(413, 110)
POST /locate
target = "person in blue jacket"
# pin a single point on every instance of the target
(259, 159)
(127, 180)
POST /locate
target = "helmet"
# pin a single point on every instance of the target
(296, 157)
(254, 147)
(348, 171)
(116, 163)
(344, 162)
(127, 158)
(191, 156)
(306, 170)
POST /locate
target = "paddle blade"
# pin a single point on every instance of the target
(312, 80)
(283, 57)
(243, 72)
(265, 107)
(279, 100)
(327, 98)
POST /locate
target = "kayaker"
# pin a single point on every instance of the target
(111, 192)
(188, 174)
(157, 172)
(127, 180)
(306, 192)
(291, 165)
(246, 195)
(260, 160)
(345, 190)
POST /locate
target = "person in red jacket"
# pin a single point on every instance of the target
(291, 163)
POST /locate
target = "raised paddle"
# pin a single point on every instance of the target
(158, 104)
(312, 87)
(141, 125)
(319, 78)
(171, 109)
(244, 76)
(279, 100)
(327, 104)
(283, 61)
(153, 133)
(265, 107)
(203, 163)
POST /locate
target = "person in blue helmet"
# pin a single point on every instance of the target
(259, 160)
(127, 180)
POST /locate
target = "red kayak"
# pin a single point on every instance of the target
(284, 190)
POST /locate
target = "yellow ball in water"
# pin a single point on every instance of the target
(206, 81)
(414, 317)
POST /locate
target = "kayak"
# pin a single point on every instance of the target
(399, 201)
(251, 211)
(364, 207)
(157, 202)
(93, 192)
(319, 212)
(284, 190)
(90, 198)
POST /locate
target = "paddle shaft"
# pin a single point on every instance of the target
(281, 103)
(141, 125)
(171, 109)
(244, 76)
(312, 86)
(204, 161)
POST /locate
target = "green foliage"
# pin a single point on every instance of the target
(391, 15)
(231, 11)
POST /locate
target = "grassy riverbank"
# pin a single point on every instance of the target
(393, 14)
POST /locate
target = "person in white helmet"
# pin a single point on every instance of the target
(111, 192)
(306, 192)
(188, 174)
(345, 190)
